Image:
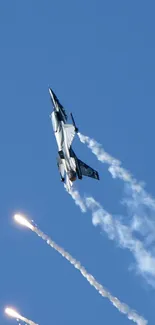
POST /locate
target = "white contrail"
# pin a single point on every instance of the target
(123, 308)
(123, 235)
(13, 313)
(140, 204)
(77, 198)
(117, 171)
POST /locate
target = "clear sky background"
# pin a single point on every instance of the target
(98, 56)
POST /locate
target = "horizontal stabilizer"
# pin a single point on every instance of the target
(87, 171)
(61, 168)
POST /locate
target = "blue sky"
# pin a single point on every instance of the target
(98, 56)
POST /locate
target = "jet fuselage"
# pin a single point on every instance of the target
(68, 163)
(60, 133)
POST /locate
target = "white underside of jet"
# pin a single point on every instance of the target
(64, 134)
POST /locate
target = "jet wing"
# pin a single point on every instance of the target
(69, 133)
(87, 171)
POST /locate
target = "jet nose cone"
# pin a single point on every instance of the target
(52, 95)
(50, 91)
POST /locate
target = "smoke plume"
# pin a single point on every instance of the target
(123, 308)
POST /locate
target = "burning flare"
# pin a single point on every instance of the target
(123, 308)
(23, 221)
(13, 313)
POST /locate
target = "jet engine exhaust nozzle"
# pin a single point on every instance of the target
(72, 175)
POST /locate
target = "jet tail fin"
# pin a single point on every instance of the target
(86, 170)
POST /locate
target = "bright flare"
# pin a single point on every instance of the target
(12, 313)
(123, 308)
(23, 221)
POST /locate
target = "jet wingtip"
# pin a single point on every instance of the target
(76, 129)
(97, 176)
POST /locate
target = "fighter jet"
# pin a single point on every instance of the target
(70, 167)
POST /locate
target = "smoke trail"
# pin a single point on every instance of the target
(77, 198)
(117, 171)
(123, 308)
(12, 313)
(140, 206)
(123, 235)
